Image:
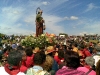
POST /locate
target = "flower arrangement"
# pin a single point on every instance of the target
(41, 41)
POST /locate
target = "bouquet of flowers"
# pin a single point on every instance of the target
(41, 41)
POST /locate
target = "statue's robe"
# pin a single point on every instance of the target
(39, 25)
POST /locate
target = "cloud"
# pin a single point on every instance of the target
(90, 7)
(85, 25)
(15, 30)
(30, 19)
(10, 15)
(7, 28)
(93, 25)
(66, 18)
(52, 24)
(74, 26)
(75, 5)
(15, 12)
(20, 31)
(71, 18)
(18, 25)
(54, 4)
(90, 26)
(45, 3)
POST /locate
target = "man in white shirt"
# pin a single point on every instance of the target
(97, 55)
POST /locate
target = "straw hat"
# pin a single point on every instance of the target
(36, 50)
(49, 49)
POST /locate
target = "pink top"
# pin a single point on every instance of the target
(84, 69)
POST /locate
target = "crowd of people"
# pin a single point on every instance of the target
(73, 58)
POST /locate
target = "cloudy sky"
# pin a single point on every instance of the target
(73, 17)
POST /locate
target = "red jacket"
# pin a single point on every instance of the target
(23, 67)
(29, 61)
(58, 60)
(86, 52)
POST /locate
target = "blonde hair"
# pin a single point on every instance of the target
(48, 63)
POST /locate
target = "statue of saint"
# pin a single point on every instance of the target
(39, 23)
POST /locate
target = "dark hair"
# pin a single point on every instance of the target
(22, 52)
(72, 59)
(61, 53)
(39, 58)
(74, 44)
(1, 56)
(81, 47)
(19, 48)
(8, 48)
(14, 58)
(29, 51)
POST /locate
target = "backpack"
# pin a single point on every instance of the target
(30, 71)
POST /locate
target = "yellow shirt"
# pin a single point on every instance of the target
(75, 49)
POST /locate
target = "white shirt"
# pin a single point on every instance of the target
(3, 72)
(97, 58)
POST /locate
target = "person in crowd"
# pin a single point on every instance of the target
(59, 57)
(74, 47)
(96, 55)
(88, 68)
(94, 52)
(4, 45)
(89, 63)
(0, 50)
(81, 54)
(37, 69)
(91, 46)
(1, 53)
(29, 58)
(98, 68)
(14, 45)
(3, 60)
(72, 60)
(48, 65)
(51, 52)
(86, 52)
(13, 64)
(19, 47)
(23, 67)
(98, 48)
(0, 56)
(36, 50)
(6, 51)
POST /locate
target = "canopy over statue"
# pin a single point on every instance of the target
(39, 22)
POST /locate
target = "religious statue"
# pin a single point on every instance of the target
(39, 22)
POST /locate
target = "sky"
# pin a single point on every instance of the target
(73, 17)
